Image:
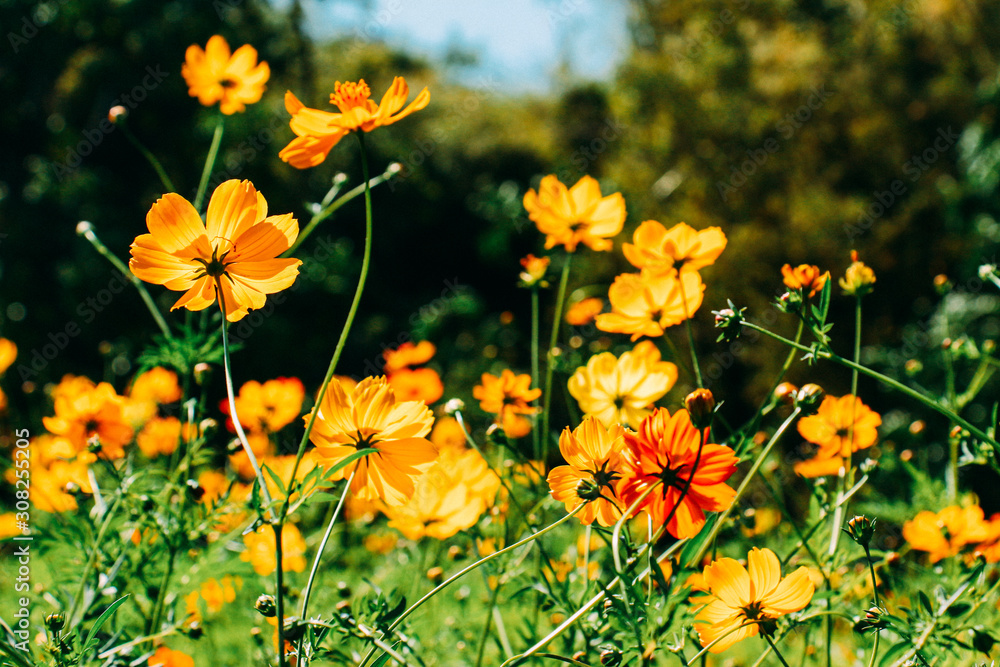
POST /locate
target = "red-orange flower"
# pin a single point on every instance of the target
(237, 248)
(569, 216)
(508, 397)
(417, 384)
(595, 456)
(655, 249)
(805, 277)
(319, 131)
(92, 413)
(215, 75)
(667, 451)
(584, 311)
(647, 305)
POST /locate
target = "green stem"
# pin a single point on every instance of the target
(279, 593)
(549, 356)
(775, 649)
(469, 568)
(690, 336)
(365, 262)
(161, 594)
(769, 401)
(871, 568)
(330, 209)
(86, 229)
(304, 607)
(157, 167)
(535, 435)
(489, 619)
(91, 560)
(206, 171)
(232, 400)
(745, 483)
(895, 384)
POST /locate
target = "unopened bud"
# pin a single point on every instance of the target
(84, 227)
(809, 398)
(202, 371)
(861, 529)
(785, 393)
(266, 606)
(454, 405)
(611, 657)
(55, 622)
(700, 405)
(117, 113)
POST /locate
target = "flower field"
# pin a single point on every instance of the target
(631, 462)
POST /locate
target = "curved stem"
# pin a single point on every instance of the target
(535, 434)
(366, 260)
(553, 339)
(206, 171)
(304, 607)
(86, 229)
(146, 153)
(775, 649)
(690, 337)
(884, 379)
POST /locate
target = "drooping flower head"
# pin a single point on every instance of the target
(756, 594)
(371, 417)
(508, 397)
(570, 216)
(667, 451)
(317, 132)
(804, 277)
(595, 457)
(236, 249)
(215, 75)
(620, 390)
(656, 249)
(648, 305)
(841, 426)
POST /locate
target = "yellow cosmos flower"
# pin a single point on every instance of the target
(947, 532)
(656, 250)
(595, 456)
(584, 311)
(317, 132)
(216, 75)
(756, 594)
(570, 216)
(159, 436)
(96, 412)
(508, 397)
(841, 426)
(859, 278)
(620, 390)
(267, 407)
(370, 416)
(235, 250)
(260, 550)
(407, 355)
(648, 305)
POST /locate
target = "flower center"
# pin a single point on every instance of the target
(215, 267)
(752, 611)
(227, 83)
(350, 95)
(591, 489)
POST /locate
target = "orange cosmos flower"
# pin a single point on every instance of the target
(267, 407)
(647, 305)
(92, 413)
(371, 416)
(319, 131)
(756, 594)
(154, 387)
(407, 355)
(595, 454)
(448, 434)
(665, 451)
(841, 426)
(656, 250)
(508, 397)
(621, 390)
(804, 277)
(215, 75)
(236, 248)
(419, 384)
(159, 436)
(534, 269)
(584, 311)
(165, 657)
(947, 532)
(575, 215)
(260, 550)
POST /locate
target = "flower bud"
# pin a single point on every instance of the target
(941, 284)
(202, 372)
(809, 398)
(730, 320)
(454, 405)
(55, 622)
(861, 529)
(700, 405)
(266, 606)
(611, 656)
(117, 113)
(785, 393)
(195, 490)
(873, 619)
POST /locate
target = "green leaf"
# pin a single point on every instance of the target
(343, 463)
(925, 602)
(91, 640)
(276, 479)
(16, 656)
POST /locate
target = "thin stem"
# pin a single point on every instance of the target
(213, 152)
(746, 482)
(98, 542)
(304, 608)
(895, 384)
(157, 167)
(871, 568)
(769, 400)
(365, 262)
(469, 568)
(489, 619)
(86, 229)
(279, 594)
(330, 209)
(775, 649)
(535, 434)
(232, 400)
(690, 337)
(161, 594)
(549, 357)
